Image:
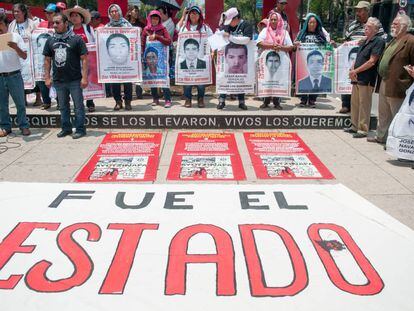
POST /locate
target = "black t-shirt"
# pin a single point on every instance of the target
(243, 29)
(65, 56)
(375, 46)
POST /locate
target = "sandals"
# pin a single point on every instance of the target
(4, 132)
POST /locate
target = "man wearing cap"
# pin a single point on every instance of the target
(356, 31)
(398, 54)
(11, 81)
(239, 32)
(96, 21)
(50, 11)
(280, 8)
(67, 50)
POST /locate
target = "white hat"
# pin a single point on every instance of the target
(85, 13)
(230, 14)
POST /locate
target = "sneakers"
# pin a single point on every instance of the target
(25, 132)
(45, 106)
(359, 135)
(221, 105)
(375, 140)
(118, 105)
(78, 135)
(312, 104)
(167, 104)
(302, 104)
(155, 102)
(266, 103)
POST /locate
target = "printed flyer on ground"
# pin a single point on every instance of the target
(206, 156)
(157, 247)
(124, 157)
(283, 156)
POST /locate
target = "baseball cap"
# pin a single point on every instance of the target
(362, 5)
(195, 8)
(282, 1)
(51, 7)
(95, 14)
(230, 14)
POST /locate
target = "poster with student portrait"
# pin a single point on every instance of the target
(273, 74)
(119, 55)
(345, 56)
(94, 88)
(193, 62)
(27, 65)
(155, 73)
(39, 38)
(236, 69)
(314, 69)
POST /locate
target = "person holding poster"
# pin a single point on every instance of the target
(239, 32)
(363, 75)
(118, 49)
(153, 32)
(11, 81)
(400, 140)
(193, 21)
(66, 51)
(273, 42)
(80, 19)
(315, 83)
(24, 26)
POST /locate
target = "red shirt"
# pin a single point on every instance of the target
(81, 33)
(45, 24)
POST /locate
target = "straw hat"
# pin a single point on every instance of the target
(81, 11)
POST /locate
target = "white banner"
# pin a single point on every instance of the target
(156, 66)
(400, 141)
(94, 88)
(193, 61)
(27, 65)
(345, 56)
(39, 38)
(273, 74)
(236, 69)
(119, 54)
(184, 247)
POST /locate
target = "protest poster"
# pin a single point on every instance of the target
(236, 69)
(124, 157)
(4, 40)
(400, 141)
(314, 69)
(119, 54)
(94, 88)
(273, 74)
(345, 56)
(206, 156)
(193, 62)
(39, 38)
(156, 65)
(164, 246)
(27, 65)
(283, 156)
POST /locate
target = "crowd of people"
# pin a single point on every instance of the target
(381, 60)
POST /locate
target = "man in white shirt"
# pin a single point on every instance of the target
(11, 81)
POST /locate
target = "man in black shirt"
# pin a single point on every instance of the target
(363, 77)
(239, 32)
(67, 50)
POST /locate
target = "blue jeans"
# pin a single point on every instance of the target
(14, 86)
(166, 91)
(116, 91)
(63, 90)
(44, 90)
(201, 89)
(240, 97)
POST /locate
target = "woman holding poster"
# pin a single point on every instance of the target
(274, 43)
(312, 32)
(193, 21)
(118, 45)
(153, 32)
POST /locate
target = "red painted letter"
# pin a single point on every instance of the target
(179, 258)
(374, 283)
(12, 244)
(258, 287)
(36, 278)
(120, 268)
